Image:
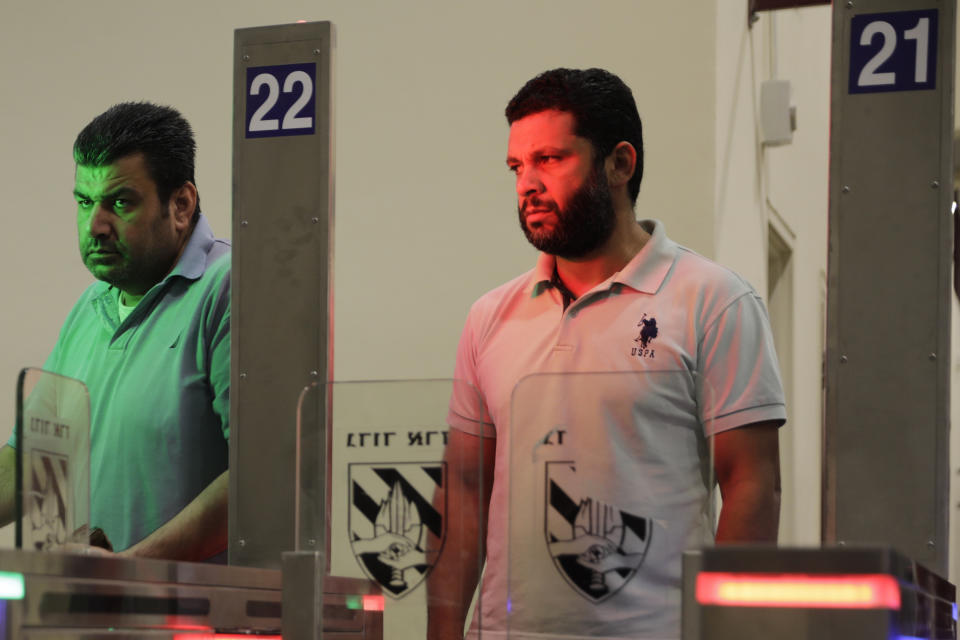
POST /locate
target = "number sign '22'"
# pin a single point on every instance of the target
(280, 100)
(893, 51)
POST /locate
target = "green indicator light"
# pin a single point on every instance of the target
(354, 602)
(11, 585)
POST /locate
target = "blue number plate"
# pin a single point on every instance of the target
(280, 100)
(893, 51)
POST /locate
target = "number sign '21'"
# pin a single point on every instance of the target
(893, 51)
(280, 100)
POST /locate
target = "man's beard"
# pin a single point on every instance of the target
(582, 227)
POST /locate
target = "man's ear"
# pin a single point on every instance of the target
(182, 203)
(620, 164)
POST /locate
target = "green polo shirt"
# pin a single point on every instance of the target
(159, 386)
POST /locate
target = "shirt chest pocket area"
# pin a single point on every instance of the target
(148, 382)
(153, 354)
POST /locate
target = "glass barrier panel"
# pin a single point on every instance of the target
(610, 481)
(311, 469)
(405, 474)
(52, 440)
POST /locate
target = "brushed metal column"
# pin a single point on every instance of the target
(282, 259)
(886, 475)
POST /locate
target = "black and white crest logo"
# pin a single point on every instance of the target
(596, 547)
(47, 505)
(396, 533)
(648, 333)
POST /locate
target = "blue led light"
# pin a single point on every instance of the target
(510, 607)
(954, 611)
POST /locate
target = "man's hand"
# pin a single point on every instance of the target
(197, 533)
(80, 549)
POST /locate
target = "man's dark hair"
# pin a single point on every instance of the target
(160, 133)
(602, 106)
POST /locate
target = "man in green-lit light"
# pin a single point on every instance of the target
(150, 339)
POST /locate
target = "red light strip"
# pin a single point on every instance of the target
(798, 590)
(373, 603)
(223, 636)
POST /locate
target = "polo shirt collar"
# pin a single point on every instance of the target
(193, 260)
(191, 265)
(648, 269)
(645, 272)
(543, 271)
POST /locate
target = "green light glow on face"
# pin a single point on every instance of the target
(354, 602)
(11, 585)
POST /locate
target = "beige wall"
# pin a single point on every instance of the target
(784, 186)
(425, 219)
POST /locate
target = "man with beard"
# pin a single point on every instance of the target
(639, 414)
(150, 339)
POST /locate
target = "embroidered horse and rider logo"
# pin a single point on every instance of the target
(648, 333)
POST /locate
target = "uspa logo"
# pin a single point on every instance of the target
(648, 333)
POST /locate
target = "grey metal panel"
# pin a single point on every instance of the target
(88, 596)
(89, 593)
(282, 257)
(690, 611)
(303, 594)
(888, 326)
(36, 563)
(57, 602)
(729, 623)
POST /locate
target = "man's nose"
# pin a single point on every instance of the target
(528, 182)
(101, 223)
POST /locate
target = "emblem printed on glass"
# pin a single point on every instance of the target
(47, 503)
(595, 546)
(396, 532)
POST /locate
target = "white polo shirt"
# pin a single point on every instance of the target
(602, 413)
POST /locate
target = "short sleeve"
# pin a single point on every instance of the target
(217, 340)
(739, 381)
(468, 410)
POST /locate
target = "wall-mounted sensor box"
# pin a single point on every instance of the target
(778, 119)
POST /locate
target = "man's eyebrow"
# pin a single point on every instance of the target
(112, 195)
(551, 150)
